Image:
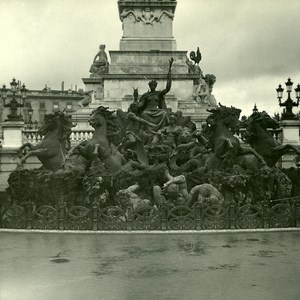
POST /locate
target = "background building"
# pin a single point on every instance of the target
(41, 102)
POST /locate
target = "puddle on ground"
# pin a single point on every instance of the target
(258, 263)
(226, 246)
(107, 264)
(266, 253)
(226, 267)
(154, 271)
(134, 252)
(193, 248)
(233, 240)
(60, 260)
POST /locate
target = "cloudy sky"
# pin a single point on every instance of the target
(250, 45)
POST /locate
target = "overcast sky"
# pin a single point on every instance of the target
(250, 45)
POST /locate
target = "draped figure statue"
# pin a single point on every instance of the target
(152, 106)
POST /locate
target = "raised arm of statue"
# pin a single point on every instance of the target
(170, 64)
(169, 78)
(169, 83)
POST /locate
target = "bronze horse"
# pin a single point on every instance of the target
(226, 147)
(99, 145)
(52, 149)
(260, 139)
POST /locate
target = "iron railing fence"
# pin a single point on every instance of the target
(278, 213)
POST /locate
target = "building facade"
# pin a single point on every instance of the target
(41, 102)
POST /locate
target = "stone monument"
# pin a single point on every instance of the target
(100, 62)
(146, 47)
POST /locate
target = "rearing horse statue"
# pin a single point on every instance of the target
(226, 147)
(99, 146)
(260, 139)
(52, 149)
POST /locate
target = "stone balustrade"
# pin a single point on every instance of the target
(78, 135)
(31, 136)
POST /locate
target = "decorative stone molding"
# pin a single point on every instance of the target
(147, 16)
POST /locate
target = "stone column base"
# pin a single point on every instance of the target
(12, 134)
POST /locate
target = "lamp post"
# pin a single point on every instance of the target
(14, 104)
(289, 103)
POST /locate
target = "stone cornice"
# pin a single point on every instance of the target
(138, 77)
(124, 52)
(131, 4)
(8, 151)
(60, 97)
(34, 94)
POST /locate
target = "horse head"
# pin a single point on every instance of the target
(57, 122)
(263, 120)
(228, 116)
(99, 117)
(102, 118)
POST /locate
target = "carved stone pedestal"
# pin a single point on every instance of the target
(290, 135)
(12, 134)
(146, 47)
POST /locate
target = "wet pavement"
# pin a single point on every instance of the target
(150, 266)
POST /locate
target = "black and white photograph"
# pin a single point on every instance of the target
(149, 149)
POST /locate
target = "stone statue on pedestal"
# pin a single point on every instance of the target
(193, 64)
(202, 93)
(89, 97)
(100, 64)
